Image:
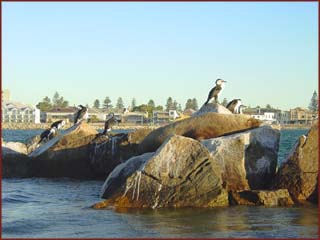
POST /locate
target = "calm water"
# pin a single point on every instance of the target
(40, 208)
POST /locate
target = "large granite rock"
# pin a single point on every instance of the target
(205, 126)
(78, 152)
(280, 197)
(107, 152)
(179, 174)
(212, 107)
(13, 148)
(66, 155)
(299, 172)
(247, 160)
(15, 162)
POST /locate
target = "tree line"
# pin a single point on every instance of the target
(59, 102)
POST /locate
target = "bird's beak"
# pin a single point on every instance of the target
(224, 81)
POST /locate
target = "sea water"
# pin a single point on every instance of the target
(52, 208)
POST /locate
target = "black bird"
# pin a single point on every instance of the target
(234, 105)
(110, 121)
(47, 134)
(81, 114)
(58, 124)
(216, 91)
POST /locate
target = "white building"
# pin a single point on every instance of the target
(269, 117)
(14, 112)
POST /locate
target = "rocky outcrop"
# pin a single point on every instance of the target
(179, 174)
(280, 197)
(205, 126)
(79, 152)
(15, 161)
(13, 148)
(247, 160)
(299, 171)
(212, 107)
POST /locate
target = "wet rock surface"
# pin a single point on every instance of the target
(280, 197)
(178, 174)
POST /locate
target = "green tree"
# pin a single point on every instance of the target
(268, 106)
(179, 108)
(313, 105)
(133, 103)
(119, 104)
(188, 104)
(224, 102)
(107, 103)
(58, 101)
(45, 105)
(151, 104)
(174, 105)
(194, 104)
(158, 108)
(96, 103)
(169, 104)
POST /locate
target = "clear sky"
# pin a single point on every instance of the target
(267, 52)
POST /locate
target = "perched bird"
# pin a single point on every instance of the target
(240, 108)
(110, 121)
(234, 105)
(81, 114)
(58, 124)
(47, 134)
(216, 91)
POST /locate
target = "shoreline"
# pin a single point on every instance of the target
(24, 126)
(31, 126)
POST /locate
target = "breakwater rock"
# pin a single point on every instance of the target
(205, 126)
(186, 172)
(178, 174)
(80, 152)
(299, 172)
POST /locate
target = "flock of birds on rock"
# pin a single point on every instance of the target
(235, 106)
(80, 115)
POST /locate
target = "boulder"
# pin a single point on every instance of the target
(247, 160)
(66, 155)
(107, 152)
(299, 172)
(178, 174)
(201, 127)
(13, 148)
(78, 152)
(212, 107)
(15, 162)
(280, 197)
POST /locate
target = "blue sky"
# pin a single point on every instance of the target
(267, 52)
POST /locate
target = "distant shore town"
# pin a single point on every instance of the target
(17, 115)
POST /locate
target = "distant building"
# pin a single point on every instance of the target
(160, 117)
(55, 114)
(266, 117)
(5, 94)
(300, 115)
(98, 114)
(15, 112)
(283, 117)
(135, 117)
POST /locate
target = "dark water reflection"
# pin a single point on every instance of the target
(238, 222)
